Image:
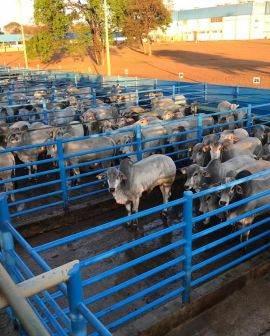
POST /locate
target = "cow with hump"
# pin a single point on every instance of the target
(128, 182)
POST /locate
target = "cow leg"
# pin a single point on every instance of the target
(76, 172)
(135, 209)
(9, 187)
(244, 236)
(166, 194)
(15, 183)
(129, 210)
(29, 168)
(34, 171)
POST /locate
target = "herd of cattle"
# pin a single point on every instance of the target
(227, 152)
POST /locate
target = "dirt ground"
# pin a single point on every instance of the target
(244, 313)
(220, 62)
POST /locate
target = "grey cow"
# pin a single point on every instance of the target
(228, 149)
(90, 145)
(6, 160)
(242, 191)
(201, 177)
(128, 183)
(261, 132)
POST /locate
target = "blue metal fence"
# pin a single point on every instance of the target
(53, 184)
(188, 259)
(136, 273)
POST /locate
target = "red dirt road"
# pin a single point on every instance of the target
(220, 62)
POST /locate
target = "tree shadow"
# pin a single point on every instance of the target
(139, 51)
(226, 64)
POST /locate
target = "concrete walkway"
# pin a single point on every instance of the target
(244, 313)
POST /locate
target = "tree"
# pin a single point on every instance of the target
(91, 12)
(51, 16)
(12, 28)
(31, 29)
(143, 17)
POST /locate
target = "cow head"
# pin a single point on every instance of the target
(168, 115)
(114, 178)
(200, 154)
(125, 140)
(195, 177)
(52, 151)
(228, 195)
(215, 150)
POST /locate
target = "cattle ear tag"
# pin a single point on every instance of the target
(190, 149)
(205, 149)
(183, 171)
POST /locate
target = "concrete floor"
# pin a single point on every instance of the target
(245, 313)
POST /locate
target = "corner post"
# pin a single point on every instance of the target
(249, 118)
(75, 296)
(139, 142)
(61, 162)
(187, 263)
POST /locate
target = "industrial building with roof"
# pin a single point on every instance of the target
(243, 21)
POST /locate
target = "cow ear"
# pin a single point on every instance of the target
(24, 129)
(183, 171)
(101, 176)
(123, 176)
(239, 189)
(205, 173)
(235, 138)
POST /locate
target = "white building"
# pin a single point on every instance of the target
(242, 21)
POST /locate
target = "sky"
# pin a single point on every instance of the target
(9, 10)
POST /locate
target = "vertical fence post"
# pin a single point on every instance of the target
(249, 118)
(205, 89)
(200, 127)
(45, 112)
(137, 98)
(236, 92)
(139, 142)
(187, 216)
(61, 162)
(7, 249)
(75, 296)
(93, 92)
(6, 239)
(173, 93)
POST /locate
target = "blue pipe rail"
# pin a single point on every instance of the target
(186, 257)
(61, 193)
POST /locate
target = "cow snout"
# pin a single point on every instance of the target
(111, 190)
(222, 203)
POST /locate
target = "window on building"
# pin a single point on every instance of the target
(216, 19)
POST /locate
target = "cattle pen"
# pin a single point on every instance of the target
(117, 276)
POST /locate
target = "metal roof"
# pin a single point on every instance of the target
(218, 11)
(12, 38)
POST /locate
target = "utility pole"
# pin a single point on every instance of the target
(107, 45)
(19, 3)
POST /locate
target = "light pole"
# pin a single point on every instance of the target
(19, 3)
(107, 45)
